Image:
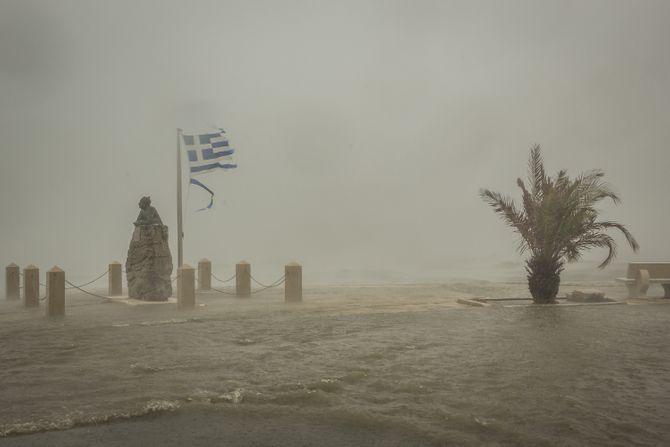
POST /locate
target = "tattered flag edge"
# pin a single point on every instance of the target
(211, 198)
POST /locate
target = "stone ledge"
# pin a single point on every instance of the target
(587, 296)
(605, 303)
(133, 302)
(473, 303)
(648, 300)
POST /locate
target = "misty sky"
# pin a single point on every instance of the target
(363, 129)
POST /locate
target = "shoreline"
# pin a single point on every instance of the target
(247, 427)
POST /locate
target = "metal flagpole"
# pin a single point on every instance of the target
(180, 230)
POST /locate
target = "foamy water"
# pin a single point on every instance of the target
(402, 356)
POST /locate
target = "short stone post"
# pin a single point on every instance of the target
(205, 274)
(185, 287)
(55, 292)
(31, 286)
(293, 283)
(114, 279)
(243, 278)
(12, 282)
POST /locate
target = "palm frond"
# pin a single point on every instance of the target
(536, 174)
(604, 225)
(504, 206)
(594, 240)
(593, 189)
(527, 200)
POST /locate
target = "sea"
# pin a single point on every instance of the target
(404, 359)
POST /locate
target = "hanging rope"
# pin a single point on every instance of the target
(85, 291)
(277, 283)
(222, 280)
(90, 282)
(263, 285)
(73, 286)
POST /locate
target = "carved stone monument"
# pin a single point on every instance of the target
(149, 263)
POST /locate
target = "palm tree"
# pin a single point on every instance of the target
(557, 222)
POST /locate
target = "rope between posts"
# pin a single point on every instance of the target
(85, 291)
(223, 281)
(277, 283)
(90, 282)
(73, 285)
(266, 286)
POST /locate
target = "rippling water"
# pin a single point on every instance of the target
(405, 357)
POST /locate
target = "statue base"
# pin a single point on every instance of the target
(149, 264)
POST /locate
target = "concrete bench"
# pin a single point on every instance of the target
(641, 274)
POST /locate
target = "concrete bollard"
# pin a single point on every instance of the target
(243, 278)
(55, 292)
(293, 283)
(114, 279)
(185, 287)
(205, 274)
(12, 282)
(31, 286)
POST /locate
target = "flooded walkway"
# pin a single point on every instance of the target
(406, 360)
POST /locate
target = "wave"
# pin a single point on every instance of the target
(314, 394)
(159, 322)
(67, 422)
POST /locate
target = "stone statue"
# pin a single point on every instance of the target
(148, 214)
(149, 262)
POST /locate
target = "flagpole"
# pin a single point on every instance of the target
(180, 230)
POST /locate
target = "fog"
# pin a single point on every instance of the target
(363, 130)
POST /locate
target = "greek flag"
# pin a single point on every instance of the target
(206, 153)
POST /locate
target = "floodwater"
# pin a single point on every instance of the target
(400, 362)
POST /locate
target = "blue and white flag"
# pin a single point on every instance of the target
(206, 153)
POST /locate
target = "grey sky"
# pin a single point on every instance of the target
(363, 129)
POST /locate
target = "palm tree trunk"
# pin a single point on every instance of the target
(544, 277)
